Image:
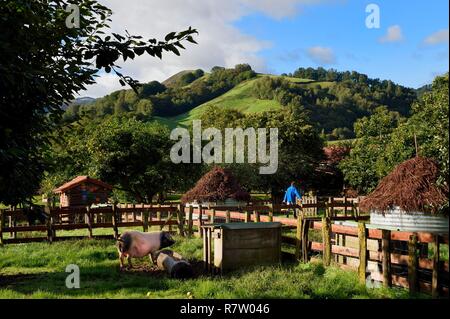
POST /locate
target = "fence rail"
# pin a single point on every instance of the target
(391, 258)
(406, 259)
(14, 222)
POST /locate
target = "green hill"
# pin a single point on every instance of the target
(240, 98)
(334, 100)
(174, 79)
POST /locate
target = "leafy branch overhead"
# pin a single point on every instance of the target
(44, 64)
(109, 50)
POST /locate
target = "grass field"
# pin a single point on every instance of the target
(239, 98)
(37, 270)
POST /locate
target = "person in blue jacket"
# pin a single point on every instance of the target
(290, 198)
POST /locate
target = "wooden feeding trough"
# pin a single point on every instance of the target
(238, 245)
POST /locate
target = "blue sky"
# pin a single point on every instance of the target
(339, 26)
(278, 36)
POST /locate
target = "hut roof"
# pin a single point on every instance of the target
(411, 186)
(78, 180)
(216, 185)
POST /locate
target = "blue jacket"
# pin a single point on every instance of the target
(291, 194)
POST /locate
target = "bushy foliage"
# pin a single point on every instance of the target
(336, 107)
(131, 155)
(300, 146)
(44, 64)
(162, 101)
(365, 165)
(385, 140)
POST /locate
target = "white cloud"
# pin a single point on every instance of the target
(438, 37)
(219, 41)
(394, 34)
(321, 55)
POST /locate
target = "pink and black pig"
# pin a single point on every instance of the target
(136, 244)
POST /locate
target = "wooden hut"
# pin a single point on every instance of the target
(409, 199)
(218, 187)
(83, 191)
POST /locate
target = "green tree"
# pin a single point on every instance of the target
(135, 157)
(429, 126)
(44, 64)
(300, 147)
(385, 140)
(365, 165)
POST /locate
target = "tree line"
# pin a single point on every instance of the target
(155, 99)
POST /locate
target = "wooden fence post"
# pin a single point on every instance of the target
(158, 216)
(326, 240)
(213, 216)
(412, 263)
(150, 216)
(305, 243)
(362, 237)
(200, 220)
(1, 226)
(205, 247)
(345, 206)
(330, 207)
(271, 212)
(49, 224)
(228, 216)
(190, 221)
(144, 215)
(13, 221)
(89, 221)
(169, 218)
(134, 212)
(114, 221)
(257, 216)
(435, 275)
(386, 255)
(180, 219)
(210, 256)
(298, 237)
(248, 217)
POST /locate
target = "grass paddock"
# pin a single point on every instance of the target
(37, 270)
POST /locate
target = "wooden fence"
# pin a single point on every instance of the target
(381, 257)
(113, 217)
(342, 235)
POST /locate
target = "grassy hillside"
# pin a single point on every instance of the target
(334, 100)
(239, 98)
(173, 80)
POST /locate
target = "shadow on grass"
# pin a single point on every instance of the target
(95, 281)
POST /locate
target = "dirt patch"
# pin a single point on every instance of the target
(153, 270)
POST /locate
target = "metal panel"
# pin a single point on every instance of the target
(396, 219)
